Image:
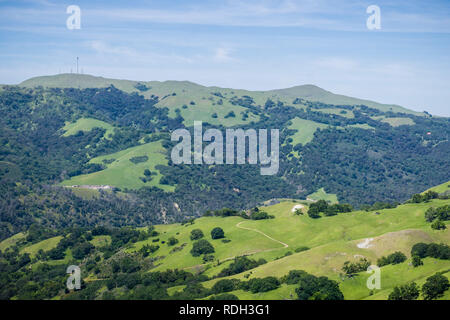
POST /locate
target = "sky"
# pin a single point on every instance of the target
(255, 45)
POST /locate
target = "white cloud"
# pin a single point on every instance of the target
(223, 55)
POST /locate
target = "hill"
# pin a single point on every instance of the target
(85, 131)
(188, 91)
(114, 261)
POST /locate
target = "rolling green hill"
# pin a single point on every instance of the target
(206, 98)
(287, 242)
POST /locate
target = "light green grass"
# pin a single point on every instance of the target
(8, 242)
(45, 245)
(441, 188)
(305, 130)
(337, 111)
(101, 241)
(87, 194)
(321, 194)
(362, 126)
(396, 122)
(87, 124)
(123, 173)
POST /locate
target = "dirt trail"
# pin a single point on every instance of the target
(265, 235)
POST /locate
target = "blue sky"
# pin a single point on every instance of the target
(257, 45)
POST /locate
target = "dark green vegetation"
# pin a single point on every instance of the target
(407, 292)
(393, 258)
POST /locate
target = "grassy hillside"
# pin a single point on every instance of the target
(332, 240)
(321, 194)
(314, 93)
(122, 172)
(441, 188)
(44, 245)
(305, 130)
(187, 91)
(85, 125)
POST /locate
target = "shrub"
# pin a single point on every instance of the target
(407, 292)
(200, 247)
(239, 265)
(172, 241)
(294, 276)
(416, 261)
(394, 258)
(260, 215)
(224, 296)
(217, 233)
(419, 249)
(263, 284)
(438, 225)
(318, 288)
(435, 286)
(352, 268)
(225, 285)
(196, 234)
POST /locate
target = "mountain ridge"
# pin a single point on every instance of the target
(308, 92)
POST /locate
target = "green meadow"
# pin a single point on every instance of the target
(44, 245)
(121, 172)
(321, 194)
(305, 130)
(87, 124)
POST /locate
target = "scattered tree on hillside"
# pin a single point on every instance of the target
(406, 292)
(217, 233)
(435, 286)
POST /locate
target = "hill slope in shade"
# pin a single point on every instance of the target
(161, 89)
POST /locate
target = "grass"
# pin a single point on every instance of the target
(87, 124)
(87, 194)
(101, 241)
(337, 111)
(441, 188)
(397, 121)
(8, 242)
(321, 194)
(362, 126)
(305, 130)
(123, 173)
(45, 245)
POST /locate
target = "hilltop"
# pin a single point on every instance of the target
(189, 90)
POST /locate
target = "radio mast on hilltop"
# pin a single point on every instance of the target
(77, 65)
